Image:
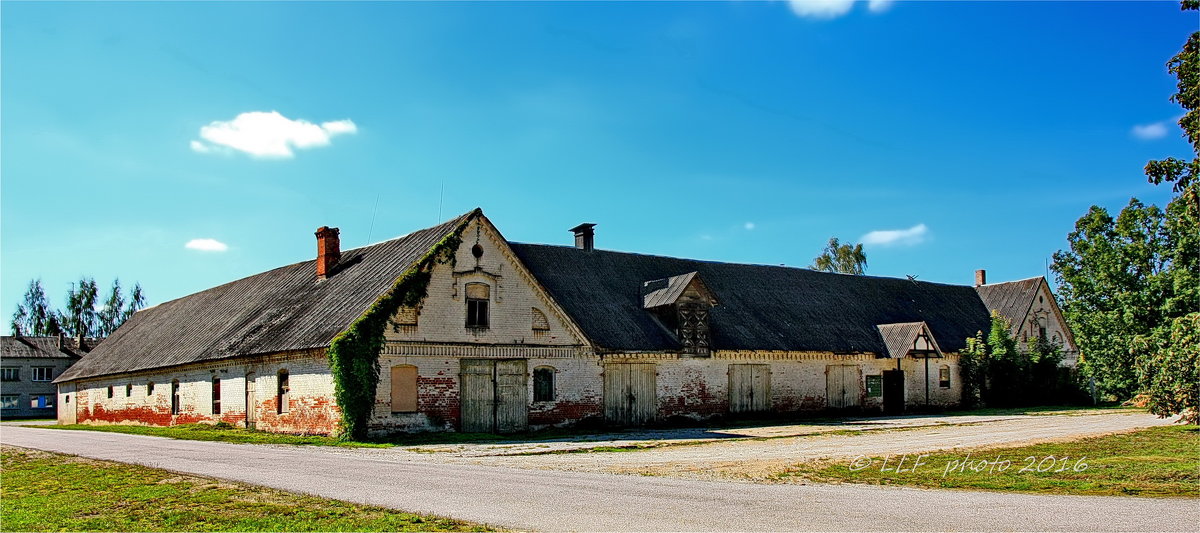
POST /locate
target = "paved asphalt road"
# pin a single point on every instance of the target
(573, 501)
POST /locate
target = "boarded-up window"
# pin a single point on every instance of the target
(543, 384)
(404, 389)
(539, 320)
(283, 393)
(216, 396)
(405, 316)
(944, 376)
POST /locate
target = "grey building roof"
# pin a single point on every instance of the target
(278, 310)
(761, 307)
(1012, 299)
(758, 307)
(44, 347)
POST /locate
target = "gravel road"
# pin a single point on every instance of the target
(556, 500)
(752, 458)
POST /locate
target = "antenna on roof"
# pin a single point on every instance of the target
(441, 192)
(911, 277)
(372, 228)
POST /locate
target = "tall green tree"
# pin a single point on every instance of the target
(841, 258)
(79, 317)
(34, 315)
(1169, 370)
(136, 302)
(111, 313)
(1112, 285)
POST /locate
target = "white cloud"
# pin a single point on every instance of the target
(206, 245)
(268, 134)
(749, 226)
(904, 237)
(828, 9)
(878, 6)
(1149, 132)
(825, 9)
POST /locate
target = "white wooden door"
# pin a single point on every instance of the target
(493, 395)
(629, 393)
(749, 388)
(843, 386)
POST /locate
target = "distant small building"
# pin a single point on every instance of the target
(28, 366)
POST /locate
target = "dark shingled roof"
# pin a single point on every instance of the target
(761, 307)
(1012, 298)
(43, 347)
(277, 310)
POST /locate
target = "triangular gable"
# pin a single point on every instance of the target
(899, 338)
(539, 290)
(660, 292)
(1012, 299)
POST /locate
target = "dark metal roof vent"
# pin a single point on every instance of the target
(585, 236)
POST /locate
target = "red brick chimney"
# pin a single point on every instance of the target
(980, 277)
(329, 250)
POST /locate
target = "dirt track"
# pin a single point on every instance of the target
(750, 451)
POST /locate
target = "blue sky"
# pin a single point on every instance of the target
(963, 134)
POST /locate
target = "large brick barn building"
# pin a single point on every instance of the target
(506, 336)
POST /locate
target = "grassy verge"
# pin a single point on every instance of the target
(1156, 462)
(43, 491)
(209, 432)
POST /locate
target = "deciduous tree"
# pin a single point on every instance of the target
(841, 258)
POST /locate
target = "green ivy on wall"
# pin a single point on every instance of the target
(354, 354)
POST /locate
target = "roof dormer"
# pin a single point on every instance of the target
(682, 303)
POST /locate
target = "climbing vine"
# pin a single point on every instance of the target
(354, 354)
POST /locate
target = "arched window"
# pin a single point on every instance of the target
(478, 299)
(543, 384)
(944, 377)
(539, 320)
(404, 389)
(175, 396)
(283, 392)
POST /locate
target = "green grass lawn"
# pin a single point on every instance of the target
(209, 432)
(1157, 462)
(43, 491)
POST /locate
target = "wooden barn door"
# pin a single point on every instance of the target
(512, 396)
(68, 409)
(842, 387)
(629, 393)
(749, 388)
(493, 395)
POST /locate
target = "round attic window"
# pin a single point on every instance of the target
(477, 251)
